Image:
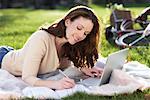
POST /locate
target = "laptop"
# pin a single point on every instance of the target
(115, 60)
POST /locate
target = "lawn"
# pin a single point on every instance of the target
(16, 25)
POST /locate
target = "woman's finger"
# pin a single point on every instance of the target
(96, 72)
(71, 81)
(66, 84)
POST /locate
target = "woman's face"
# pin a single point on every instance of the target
(78, 29)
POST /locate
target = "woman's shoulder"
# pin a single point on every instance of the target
(43, 34)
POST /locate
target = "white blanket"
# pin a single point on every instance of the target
(133, 76)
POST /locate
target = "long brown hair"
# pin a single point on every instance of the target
(85, 52)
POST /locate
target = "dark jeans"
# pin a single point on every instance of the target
(3, 51)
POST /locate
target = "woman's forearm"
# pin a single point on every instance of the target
(63, 83)
(46, 83)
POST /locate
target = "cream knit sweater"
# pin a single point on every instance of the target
(38, 56)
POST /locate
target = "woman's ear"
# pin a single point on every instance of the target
(67, 22)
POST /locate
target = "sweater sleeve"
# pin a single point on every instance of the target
(35, 50)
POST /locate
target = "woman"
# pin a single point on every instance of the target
(72, 39)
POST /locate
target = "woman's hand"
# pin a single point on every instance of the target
(92, 72)
(63, 83)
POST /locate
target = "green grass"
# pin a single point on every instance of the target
(16, 25)
(80, 96)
